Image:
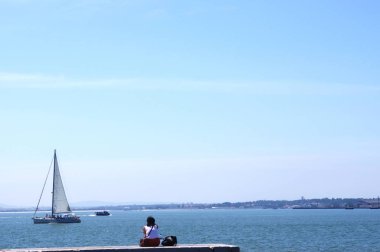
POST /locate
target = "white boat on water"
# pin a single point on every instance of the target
(60, 211)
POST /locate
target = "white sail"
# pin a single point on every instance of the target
(60, 204)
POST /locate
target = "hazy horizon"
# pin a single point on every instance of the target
(94, 204)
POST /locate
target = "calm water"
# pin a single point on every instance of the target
(252, 230)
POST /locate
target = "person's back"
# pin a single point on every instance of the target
(151, 234)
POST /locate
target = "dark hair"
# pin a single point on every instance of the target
(150, 221)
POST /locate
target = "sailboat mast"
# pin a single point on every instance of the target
(52, 198)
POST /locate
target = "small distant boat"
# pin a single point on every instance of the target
(102, 213)
(60, 211)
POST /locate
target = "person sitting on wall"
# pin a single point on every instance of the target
(151, 235)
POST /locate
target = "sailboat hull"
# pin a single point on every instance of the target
(47, 220)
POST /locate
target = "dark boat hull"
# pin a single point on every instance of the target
(47, 220)
(102, 213)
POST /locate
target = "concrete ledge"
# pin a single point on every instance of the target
(180, 248)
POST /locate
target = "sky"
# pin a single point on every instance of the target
(189, 101)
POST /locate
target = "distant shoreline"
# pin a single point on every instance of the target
(324, 203)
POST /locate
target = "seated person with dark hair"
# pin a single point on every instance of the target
(151, 235)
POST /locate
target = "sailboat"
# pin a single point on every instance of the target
(60, 210)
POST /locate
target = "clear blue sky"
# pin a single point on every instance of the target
(190, 101)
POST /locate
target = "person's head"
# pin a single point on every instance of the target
(150, 221)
